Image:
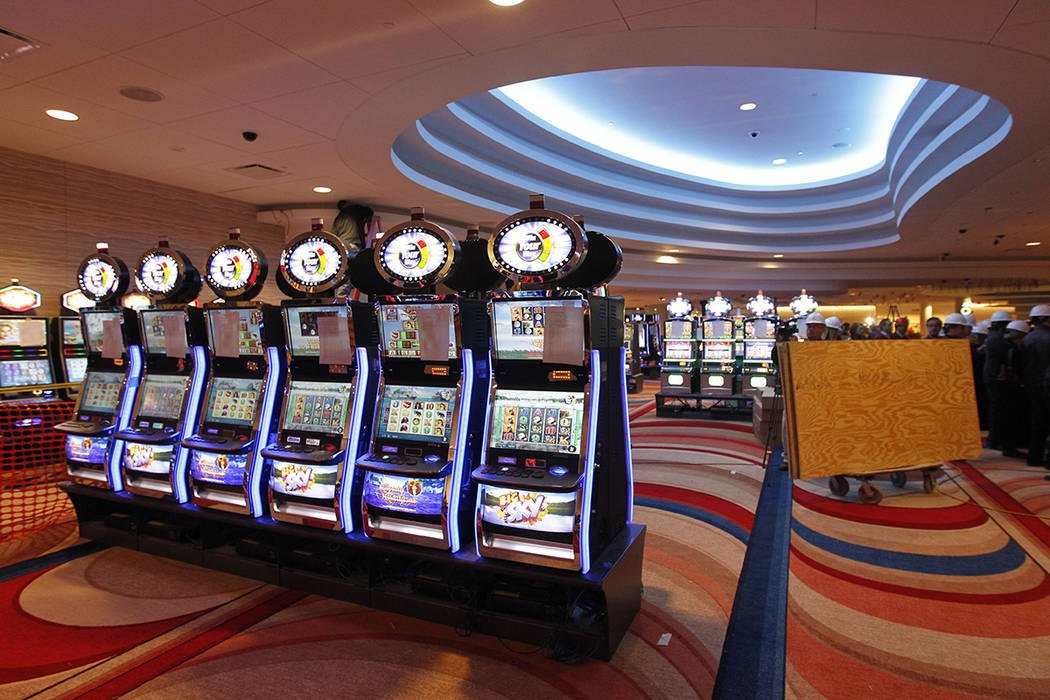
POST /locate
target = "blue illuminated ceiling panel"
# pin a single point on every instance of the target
(825, 161)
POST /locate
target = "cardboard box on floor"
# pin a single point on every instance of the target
(868, 406)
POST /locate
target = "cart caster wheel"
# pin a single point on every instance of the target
(869, 493)
(838, 485)
(928, 484)
(898, 479)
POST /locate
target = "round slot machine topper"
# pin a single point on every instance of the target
(315, 262)
(803, 304)
(679, 307)
(235, 270)
(103, 277)
(416, 254)
(761, 306)
(537, 246)
(718, 305)
(167, 275)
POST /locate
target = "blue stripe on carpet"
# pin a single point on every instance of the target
(30, 566)
(695, 513)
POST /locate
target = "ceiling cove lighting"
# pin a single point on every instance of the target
(667, 260)
(747, 106)
(779, 161)
(322, 189)
(778, 255)
(61, 115)
(1031, 243)
(506, 3)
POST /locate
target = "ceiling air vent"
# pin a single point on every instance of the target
(13, 44)
(257, 171)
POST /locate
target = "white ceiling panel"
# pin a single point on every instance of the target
(226, 58)
(481, 26)
(57, 53)
(730, 13)
(33, 139)
(976, 20)
(320, 109)
(637, 7)
(377, 82)
(1027, 28)
(100, 82)
(226, 7)
(158, 147)
(351, 39)
(226, 127)
(26, 104)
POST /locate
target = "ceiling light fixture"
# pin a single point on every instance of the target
(61, 114)
(779, 161)
(747, 106)
(667, 260)
(321, 189)
(506, 3)
(141, 94)
(1031, 243)
(778, 255)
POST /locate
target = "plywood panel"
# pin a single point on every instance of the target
(52, 213)
(861, 407)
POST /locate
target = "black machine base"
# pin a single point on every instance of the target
(572, 614)
(731, 406)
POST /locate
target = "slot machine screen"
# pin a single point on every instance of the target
(316, 406)
(249, 338)
(93, 321)
(232, 400)
(760, 328)
(153, 459)
(304, 480)
(519, 328)
(678, 330)
(399, 326)
(406, 494)
(25, 372)
(75, 369)
(540, 511)
(162, 396)
(719, 328)
(227, 469)
(758, 351)
(303, 336)
(23, 332)
(678, 350)
(153, 330)
(421, 413)
(72, 333)
(545, 421)
(101, 392)
(718, 351)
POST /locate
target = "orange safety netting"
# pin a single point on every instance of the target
(32, 464)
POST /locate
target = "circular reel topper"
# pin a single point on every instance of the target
(416, 254)
(679, 307)
(761, 306)
(235, 270)
(104, 278)
(803, 304)
(601, 264)
(315, 263)
(537, 247)
(718, 306)
(167, 275)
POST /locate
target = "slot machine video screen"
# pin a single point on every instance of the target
(227, 469)
(718, 328)
(249, 334)
(75, 368)
(153, 329)
(678, 330)
(678, 350)
(304, 339)
(540, 511)
(718, 351)
(72, 333)
(93, 326)
(421, 413)
(304, 480)
(400, 329)
(406, 494)
(23, 332)
(545, 421)
(153, 459)
(320, 407)
(760, 328)
(101, 392)
(25, 373)
(758, 351)
(232, 400)
(161, 396)
(519, 327)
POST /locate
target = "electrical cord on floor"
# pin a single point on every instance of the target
(988, 509)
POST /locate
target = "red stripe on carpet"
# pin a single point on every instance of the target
(714, 425)
(738, 515)
(751, 447)
(705, 450)
(1038, 528)
(682, 653)
(957, 517)
(648, 407)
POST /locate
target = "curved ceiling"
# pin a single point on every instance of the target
(680, 166)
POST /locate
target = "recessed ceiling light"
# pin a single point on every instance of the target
(747, 106)
(141, 94)
(506, 3)
(779, 161)
(778, 255)
(770, 266)
(674, 250)
(321, 189)
(61, 114)
(667, 260)
(1034, 243)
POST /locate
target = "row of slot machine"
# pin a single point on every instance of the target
(717, 351)
(38, 351)
(454, 421)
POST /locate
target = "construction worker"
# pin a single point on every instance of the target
(1035, 355)
(834, 326)
(933, 328)
(816, 326)
(900, 329)
(996, 349)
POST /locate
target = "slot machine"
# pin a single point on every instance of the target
(25, 358)
(246, 374)
(333, 367)
(717, 358)
(431, 404)
(111, 380)
(655, 343)
(760, 337)
(69, 352)
(557, 407)
(632, 356)
(802, 306)
(153, 461)
(680, 351)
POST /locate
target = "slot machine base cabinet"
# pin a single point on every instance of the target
(578, 614)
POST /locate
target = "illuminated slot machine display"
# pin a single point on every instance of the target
(246, 375)
(760, 337)
(69, 351)
(680, 348)
(333, 370)
(632, 352)
(111, 378)
(654, 338)
(153, 461)
(435, 371)
(558, 398)
(802, 306)
(717, 357)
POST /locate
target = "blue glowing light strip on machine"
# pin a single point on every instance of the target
(189, 422)
(626, 434)
(588, 465)
(262, 435)
(346, 481)
(461, 447)
(484, 453)
(131, 388)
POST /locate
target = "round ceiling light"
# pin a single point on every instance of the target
(747, 106)
(322, 189)
(779, 161)
(141, 94)
(62, 115)
(506, 3)
(1032, 243)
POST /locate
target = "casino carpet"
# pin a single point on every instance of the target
(925, 594)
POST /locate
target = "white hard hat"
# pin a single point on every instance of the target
(834, 322)
(970, 320)
(1019, 326)
(1039, 310)
(817, 318)
(982, 327)
(1001, 316)
(956, 319)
